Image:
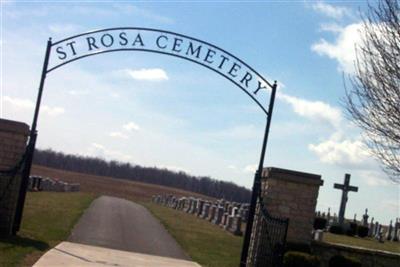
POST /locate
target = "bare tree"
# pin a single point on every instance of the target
(373, 101)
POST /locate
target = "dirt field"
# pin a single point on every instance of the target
(111, 186)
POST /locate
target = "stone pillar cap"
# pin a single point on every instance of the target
(292, 176)
(14, 126)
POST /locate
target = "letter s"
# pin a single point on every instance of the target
(61, 54)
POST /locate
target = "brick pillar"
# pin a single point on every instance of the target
(13, 138)
(287, 195)
(292, 194)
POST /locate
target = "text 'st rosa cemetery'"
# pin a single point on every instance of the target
(161, 42)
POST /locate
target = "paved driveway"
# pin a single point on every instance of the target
(124, 225)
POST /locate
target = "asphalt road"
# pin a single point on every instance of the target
(124, 225)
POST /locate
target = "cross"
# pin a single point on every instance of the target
(345, 187)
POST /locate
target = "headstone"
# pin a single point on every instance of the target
(241, 212)
(224, 219)
(230, 207)
(318, 235)
(389, 231)
(380, 236)
(371, 227)
(38, 184)
(229, 222)
(182, 203)
(365, 218)
(189, 206)
(234, 211)
(213, 211)
(355, 218)
(193, 207)
(175, 204)
(346, 188)
(396, 230)
(206, 210)
(218, 217)
(377, 230)
(236, 225)
(226, 207)
(200, 207)
(329, 215)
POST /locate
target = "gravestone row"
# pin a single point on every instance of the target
(38, 183)
(228, 215)
(376, 230)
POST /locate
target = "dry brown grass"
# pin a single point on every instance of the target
(101, 185)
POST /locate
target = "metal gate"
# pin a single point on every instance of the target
(10, 200)
(268, 239)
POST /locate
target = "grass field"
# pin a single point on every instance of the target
(48, 219)
(369, 243)
(206, 243)
(102, 185)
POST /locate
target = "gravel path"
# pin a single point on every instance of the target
(121, 224)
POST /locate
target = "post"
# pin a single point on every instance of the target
(257, 182)
(31, 145)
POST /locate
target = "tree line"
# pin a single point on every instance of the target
(153, 175)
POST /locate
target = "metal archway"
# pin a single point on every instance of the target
(160, 42)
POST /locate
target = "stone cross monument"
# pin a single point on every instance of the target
(345, 187)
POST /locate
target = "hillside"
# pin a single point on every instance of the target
(102, 185)
(153, 175)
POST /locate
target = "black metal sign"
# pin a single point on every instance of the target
(162, 42)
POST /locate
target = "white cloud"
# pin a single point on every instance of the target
(53, 111)
(343, 49)
(27, 104)
(19, 103)
(337, 151)
(98, 150)
(131, 126)
(374, 178)
(232, 167)
(118, 135)
(251, 168)
(335, 12)
(330, 27)
(155, 74)
(314, 110)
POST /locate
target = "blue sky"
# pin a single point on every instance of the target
(156, 110)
